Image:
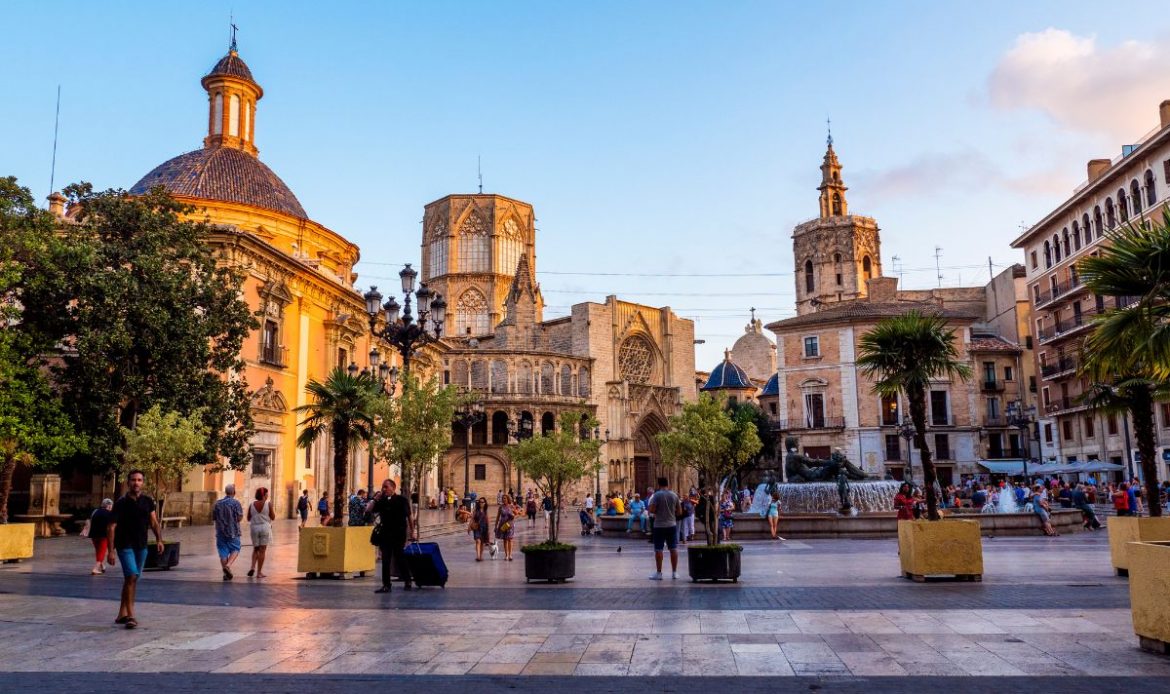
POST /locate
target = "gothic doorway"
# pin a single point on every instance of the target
(647, 460)
(643, 474)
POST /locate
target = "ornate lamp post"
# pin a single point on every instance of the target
(1022, 420)
(400, 330)
(597, 436)
(387, 383)
(519, 432)
(469, 415)
(907, 432)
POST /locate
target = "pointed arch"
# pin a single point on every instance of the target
(509, 246)
(809, 281)
(471, 314)
(474, 244)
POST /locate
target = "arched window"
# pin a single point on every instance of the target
(1067, 248)
(509, 246)
(437, 250)
(524, 378)
(217, 115)
(471, 314)
(836, 204)
(499, 376)
(836, 257)
(234, 116)
(1122, 205)
(1086, 231)
(867, 267)
(1135, 194)
(499, 427)
(1047, 254)
(1110, 215)
(1056, 246)
(809, 284)
(548, 424)
(474, 245)
(1151, 192)
(1098, 223)
(246, 133)
(547, 378)
(1076, 231)
(461, 373)
(479, 375)
(583, 382)
(566, 380)
(458, 434)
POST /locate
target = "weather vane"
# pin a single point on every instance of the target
(232, 24)
(829, 128)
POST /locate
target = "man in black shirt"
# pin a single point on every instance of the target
(396, 526)
(133, 515)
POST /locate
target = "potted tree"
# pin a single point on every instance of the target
(552, 461)
(414, 428)
(1127, 357)
(163, 445)
(343, 406)
(705, 438)
(904, 354)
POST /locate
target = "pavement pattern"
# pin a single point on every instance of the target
(823, 614)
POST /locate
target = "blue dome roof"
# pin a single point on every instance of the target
(772, 387)
(728, 375)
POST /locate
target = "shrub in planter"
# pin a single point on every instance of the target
(552, 461)
(714, 562)
(164, 562)
(555, 562)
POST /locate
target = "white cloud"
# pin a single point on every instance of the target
(960, 173)
(1114, 90)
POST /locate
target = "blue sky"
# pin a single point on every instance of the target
(660, 138)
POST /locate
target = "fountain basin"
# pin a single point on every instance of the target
(867, 496)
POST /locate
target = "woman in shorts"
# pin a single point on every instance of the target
(774, 515)
(260, 523)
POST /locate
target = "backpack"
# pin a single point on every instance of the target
(688, 509)
(303, 504)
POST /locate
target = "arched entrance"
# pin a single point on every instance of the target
(647, 459)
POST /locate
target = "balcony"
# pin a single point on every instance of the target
(1062, 289)
(991, 386)
(1064, 404)
(1003, 453)
(814, 424)
(274, 355)
(1064, 365)
(995, 422)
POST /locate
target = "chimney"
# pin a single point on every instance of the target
(57, 205)
(1097, 167)
(1164, 113)
(882, 288)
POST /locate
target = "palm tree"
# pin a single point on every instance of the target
(342, 406)
(1128, 353)
(903, 354)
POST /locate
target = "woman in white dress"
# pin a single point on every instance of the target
(260, 523)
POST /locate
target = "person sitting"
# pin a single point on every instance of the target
(637, 512)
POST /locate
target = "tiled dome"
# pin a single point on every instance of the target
(728, 375)
(223, 173)
(772, 387)
(232, 64)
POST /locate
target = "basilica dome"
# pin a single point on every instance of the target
(222, 173)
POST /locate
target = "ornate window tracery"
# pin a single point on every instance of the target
(636, 359)
(474, 244)
(437, 250)
(471, 313)
(510, 245)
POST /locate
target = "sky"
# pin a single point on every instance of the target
(668, 147)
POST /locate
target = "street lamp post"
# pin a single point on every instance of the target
(395, 325)
(597, 472)
(907, 432)
(387, 384)
(470, 415)
(1022, 420)
(519, 432)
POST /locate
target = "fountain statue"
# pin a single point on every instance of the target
(801, 468)
(836, 485)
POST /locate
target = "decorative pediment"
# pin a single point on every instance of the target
(344, 328)
(269, 399)
(275, 289)
(809, 383)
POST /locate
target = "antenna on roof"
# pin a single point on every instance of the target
(898, 268)
(479, 172)
(937, 266)
(56, 125)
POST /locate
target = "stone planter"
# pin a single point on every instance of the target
(16, 541)
(707, 564)
(164, 562)
(1149, 594)
(940, 548)
(552, 565)
(1126, 529)
(335, 551)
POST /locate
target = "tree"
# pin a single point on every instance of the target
(142, 313)
(415, 428)
(1128, 353)
(750, 412)
(164, 446)
(34, 429)
(904, 354)
(705, 438)
(343, 407)
(558, 458)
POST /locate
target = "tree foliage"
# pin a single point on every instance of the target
(704, 437)
(414, 428)
(144, 315)
(343, 407)
(164, 445)
(904, 354)
(558, 458)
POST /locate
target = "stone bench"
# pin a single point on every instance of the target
(177, 520)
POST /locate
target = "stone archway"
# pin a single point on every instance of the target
(647, 463)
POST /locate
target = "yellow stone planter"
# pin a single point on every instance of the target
(941, 548)
(1149, 594)
(344, 550)
(1126, 529)
(16, 541)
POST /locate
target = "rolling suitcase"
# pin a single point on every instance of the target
(427, 567)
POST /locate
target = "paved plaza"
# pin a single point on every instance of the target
(833, 613)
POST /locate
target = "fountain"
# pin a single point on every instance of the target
(867, 496)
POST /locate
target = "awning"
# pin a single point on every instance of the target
(1004, 467)
(1016, 467)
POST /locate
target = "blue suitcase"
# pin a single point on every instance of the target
(427, 567)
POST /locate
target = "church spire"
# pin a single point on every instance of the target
(832, 188)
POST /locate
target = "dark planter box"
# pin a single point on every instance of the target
(554, 566)
(713, 565)
(169, 558)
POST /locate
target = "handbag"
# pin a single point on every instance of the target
(85, 528)
(376, 534)
(473, 526)
(506, 526)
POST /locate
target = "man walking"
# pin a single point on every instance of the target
(227, 514)
(665, 506)
(357, 508)
(396, 527)
(126, 533)
(303, 507)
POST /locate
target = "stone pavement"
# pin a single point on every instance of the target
(1049, 610)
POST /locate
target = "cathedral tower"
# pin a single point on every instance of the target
(471, 247)
(837, 253)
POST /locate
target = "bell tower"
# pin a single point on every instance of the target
(231, 103)
(837, 253)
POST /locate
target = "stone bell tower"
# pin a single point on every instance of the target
(836, 253)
